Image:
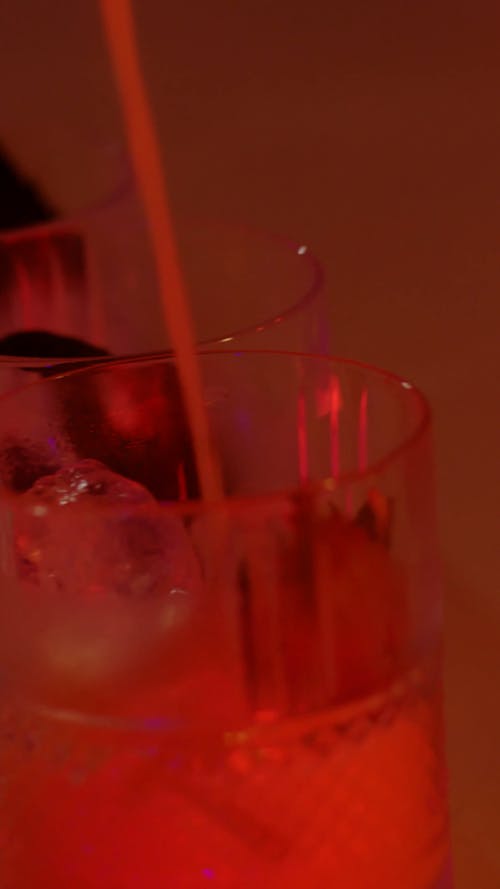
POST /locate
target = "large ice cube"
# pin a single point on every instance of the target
(87, 478)
(87, 530)
(109, 577)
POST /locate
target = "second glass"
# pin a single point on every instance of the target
(92, 277)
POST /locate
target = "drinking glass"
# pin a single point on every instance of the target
(231, 693)
(91, 277)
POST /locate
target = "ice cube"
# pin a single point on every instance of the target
(86, 529)
(87, 478)
(109, 577)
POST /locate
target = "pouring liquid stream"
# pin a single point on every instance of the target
(120, 36)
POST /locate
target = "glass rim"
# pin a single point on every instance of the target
(291, 246)
(422, 425)
(65, 220)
